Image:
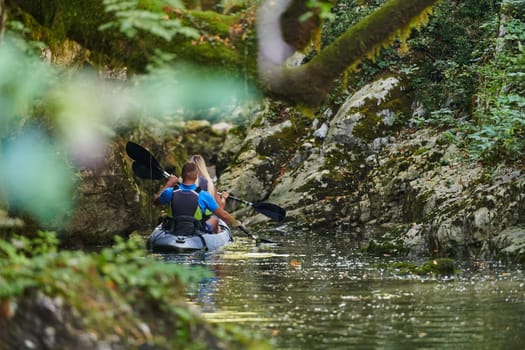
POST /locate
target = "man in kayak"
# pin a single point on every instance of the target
(189, 203)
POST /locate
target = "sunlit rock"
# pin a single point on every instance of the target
(362, 118)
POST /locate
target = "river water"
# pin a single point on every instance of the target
(315, 291)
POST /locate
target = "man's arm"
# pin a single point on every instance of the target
(229, 218)
(221, 199)
(223, 214)
(209, 203)
(172, 181)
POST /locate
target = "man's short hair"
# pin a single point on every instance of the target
(189, 172)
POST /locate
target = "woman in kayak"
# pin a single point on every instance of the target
(205, 180)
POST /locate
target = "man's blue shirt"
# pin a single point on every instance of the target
(205, 200)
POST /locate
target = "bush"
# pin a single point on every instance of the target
(113, 293)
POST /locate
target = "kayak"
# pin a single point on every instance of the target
(162, 240)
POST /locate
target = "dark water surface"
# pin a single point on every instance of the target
(314, 291)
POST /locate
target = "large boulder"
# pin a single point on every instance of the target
(108, 201)
(322, 181)
(261, 155)
(367, 117)
(431, 202)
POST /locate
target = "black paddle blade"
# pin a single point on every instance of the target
(271, 210)
(141, 155)
(144, 172)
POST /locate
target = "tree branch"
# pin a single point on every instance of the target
(310, 83)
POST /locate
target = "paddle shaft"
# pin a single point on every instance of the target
(256, 239)
(143, 172)
(240, 200)
(167, 175)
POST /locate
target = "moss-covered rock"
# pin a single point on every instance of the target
(383, 248)
(369, 114)
(509, 244)
(268, 145)
(54, 22)
(440, 267)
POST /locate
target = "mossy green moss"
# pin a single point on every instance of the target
(53, 28)
(80, 20)
(283, 143)
(212, 22)
(440, 267)
(311, 82)
(421, 150)
(369, 127)
(372, 125)
(204, 142)
(384, 248)
(345, 170)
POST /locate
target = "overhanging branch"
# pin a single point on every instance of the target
(310, 83)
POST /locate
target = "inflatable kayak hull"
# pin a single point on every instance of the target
(162, 240)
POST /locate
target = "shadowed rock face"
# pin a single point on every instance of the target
(108, 202)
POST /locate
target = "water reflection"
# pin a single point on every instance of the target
(317, 292)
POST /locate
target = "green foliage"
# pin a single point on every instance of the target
(447, 51)
(445, 120)
(470, 83)
(474, 85)
(499, 125)
(384, 248)
(320, 7)
(49, 123)
(346, 13)
(21, 30)
(116, 288)
(24, 78)
(388, 60)
(123, 264)
(439, 66)
(132, 16)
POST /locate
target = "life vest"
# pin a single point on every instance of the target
(187, 215)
